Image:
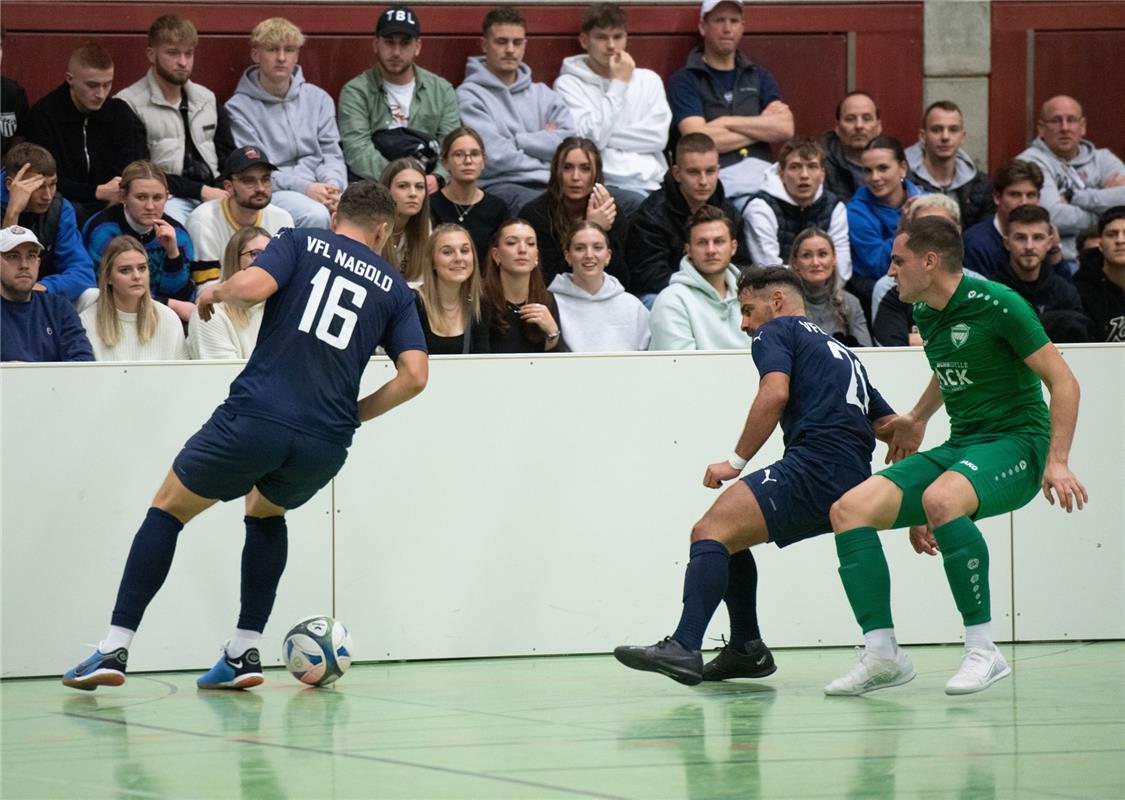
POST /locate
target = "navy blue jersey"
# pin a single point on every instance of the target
(336, 302)
(831, 402)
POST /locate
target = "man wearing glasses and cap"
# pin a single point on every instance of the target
(735, 102)
(34, 325)
(395, 93)
(247, 180)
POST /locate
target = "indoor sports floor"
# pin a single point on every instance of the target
(578, 727)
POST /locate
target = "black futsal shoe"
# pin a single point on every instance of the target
(668, 657)
(755, 661)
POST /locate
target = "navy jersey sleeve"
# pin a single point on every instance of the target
(279, 258)
(770, 90)
(772, 350)
(405, 331)
(876, 407)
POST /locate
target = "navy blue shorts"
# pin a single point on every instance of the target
(232, 453)
(796, 492)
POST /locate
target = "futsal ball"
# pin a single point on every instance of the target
(317, 650)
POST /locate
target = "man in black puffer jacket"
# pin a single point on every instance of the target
(656, 237)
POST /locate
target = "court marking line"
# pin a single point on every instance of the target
(357, 756)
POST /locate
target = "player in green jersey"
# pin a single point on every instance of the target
(988, 353)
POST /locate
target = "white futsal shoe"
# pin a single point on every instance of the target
(871, 673)
(980, 669)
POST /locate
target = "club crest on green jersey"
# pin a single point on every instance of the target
(959, 334)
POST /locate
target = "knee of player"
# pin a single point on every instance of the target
(940, 505)
(702, 531)
(843, 513)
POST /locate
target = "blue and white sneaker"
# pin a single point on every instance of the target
(100, 669)
(233, 673)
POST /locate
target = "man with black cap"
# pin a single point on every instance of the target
(34, 325)
(394, 93)
(247, 181)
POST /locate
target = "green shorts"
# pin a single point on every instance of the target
(1006, 472)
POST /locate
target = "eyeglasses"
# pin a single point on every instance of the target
(1058, 122)
(471, 155)
(252, 253)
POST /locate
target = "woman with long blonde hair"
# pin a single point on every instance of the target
(125, 323)
(449, 299)
(232, 330)
(406, 246)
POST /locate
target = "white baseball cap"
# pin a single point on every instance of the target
(13, 237)
(710, 5)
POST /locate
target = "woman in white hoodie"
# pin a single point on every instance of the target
(594, 308)
(232, 331)
(126, 324)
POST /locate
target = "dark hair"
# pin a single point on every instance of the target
(558, 216)
(936, 235)
(1015, 171)
(804, 146)
(695, 143)
(366, 203)
(171, 29)
(887, 143)
(1112, 215)
(39, 158)
(503, 15)
(494, 290)
(755, 279)
(603, 15)
(848, 96)
(457, 133)
(1029, 215)
(941, 105)
(406, 249)
(705, 215)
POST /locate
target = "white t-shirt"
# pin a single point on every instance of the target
(399, 97)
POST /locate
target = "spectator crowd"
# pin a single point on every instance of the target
(611, 211)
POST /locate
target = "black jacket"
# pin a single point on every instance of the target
(973, 198)
(841, 177)
(1055, 301)
(13, 114)
(656, 236)
(551, 257)
(89, 149)
(1102, 299)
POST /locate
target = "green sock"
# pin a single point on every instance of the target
(866, 579)
(966, 568)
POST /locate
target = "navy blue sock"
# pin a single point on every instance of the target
(150, 558)
(705, 583)
(742, 599)
(263, 561)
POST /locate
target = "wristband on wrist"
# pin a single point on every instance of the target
(737, 461)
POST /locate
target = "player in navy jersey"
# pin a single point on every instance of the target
(829, 414)
(284, 430)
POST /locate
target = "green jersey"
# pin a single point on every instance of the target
(976, 347)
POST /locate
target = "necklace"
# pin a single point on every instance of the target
(462, 211)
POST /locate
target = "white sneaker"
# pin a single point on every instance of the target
(980, 669)
(873, 673)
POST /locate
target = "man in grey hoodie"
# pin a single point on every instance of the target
(940, 165)
(294, 121)
(522, 123)
(1080, 180)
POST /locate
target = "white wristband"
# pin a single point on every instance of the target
(737, 461)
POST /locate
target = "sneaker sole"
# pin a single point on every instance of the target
(101, 677)
(897, 682)
(241, 682)
(954, 691)
(686, 677)
(762, 674)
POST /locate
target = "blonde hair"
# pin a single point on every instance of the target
(107, 323)
(276, 31)
(470, 289)
(408, 254)
(238, 315)
(141, 171)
